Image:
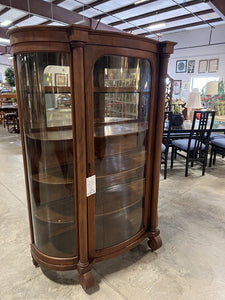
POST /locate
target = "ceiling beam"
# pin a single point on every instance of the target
(57, 1)
(89, 5)
(219, 7)
(174, 19)
(124, 8)
(53, 12)
(181, 27)
(20, 20)
(4, 10)
(156, 12)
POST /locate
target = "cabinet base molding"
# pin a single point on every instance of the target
(52, 263)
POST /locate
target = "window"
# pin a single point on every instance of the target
(200, 82)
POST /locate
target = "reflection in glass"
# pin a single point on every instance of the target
(121, 116)
(46, 113)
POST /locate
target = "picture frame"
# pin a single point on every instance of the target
(181, 66)
(61, 79)
(176, 87)
(203, 66)
(213, 65)
(191, 66)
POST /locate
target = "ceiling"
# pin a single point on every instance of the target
(151, 18)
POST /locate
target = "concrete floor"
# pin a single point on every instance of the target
(189, 266)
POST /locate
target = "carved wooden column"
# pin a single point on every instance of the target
(165, 49)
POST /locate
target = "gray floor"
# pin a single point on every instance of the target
(190, 264)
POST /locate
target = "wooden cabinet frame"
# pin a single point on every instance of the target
(85, 47)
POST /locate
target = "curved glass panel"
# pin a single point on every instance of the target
(46, 114)
(121, 116)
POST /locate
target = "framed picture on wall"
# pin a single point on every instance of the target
(203, 65)
(213, 65)
(176, 87)
(61, 79)
(181, 66)
(191, 66)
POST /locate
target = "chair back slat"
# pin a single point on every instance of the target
(201, 134)
(167, 125)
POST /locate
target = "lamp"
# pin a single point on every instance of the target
(194, 102)
(211, 89)
(194, 99)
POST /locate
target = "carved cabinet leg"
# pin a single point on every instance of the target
(87, 280)
(35, 263)
(155, 242)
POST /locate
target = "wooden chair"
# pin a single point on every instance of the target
(196, 146)
(11, 119)
(217, 147)
(166, 140)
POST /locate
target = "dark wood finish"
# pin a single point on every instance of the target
(159, 113)
(127, 151)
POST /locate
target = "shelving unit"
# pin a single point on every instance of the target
(91, 112)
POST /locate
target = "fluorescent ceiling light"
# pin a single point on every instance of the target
(5, 23)
(158, 25)
(4, 41)
(139, 2)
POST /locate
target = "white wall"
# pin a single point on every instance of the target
(194, 45)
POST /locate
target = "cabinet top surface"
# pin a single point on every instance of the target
(83, 34)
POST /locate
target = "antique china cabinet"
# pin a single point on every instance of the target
(91, 114)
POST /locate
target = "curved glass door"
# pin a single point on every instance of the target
(44, 81)
(121, 120)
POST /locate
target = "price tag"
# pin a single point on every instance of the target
(91, 185)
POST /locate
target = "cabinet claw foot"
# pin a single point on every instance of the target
(35, 263)
(155, 242)
(87, 280)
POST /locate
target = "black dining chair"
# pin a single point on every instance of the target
(166, 140)
(217, 147)
(195, 148)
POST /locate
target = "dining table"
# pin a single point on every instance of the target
(183, 131)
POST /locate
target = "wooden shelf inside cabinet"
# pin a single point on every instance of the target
(119, 163)
(57, 89)
(119, 197)
(55, 175)
(51, 135)
(56, 212)
(120, 129)
(129, 89)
